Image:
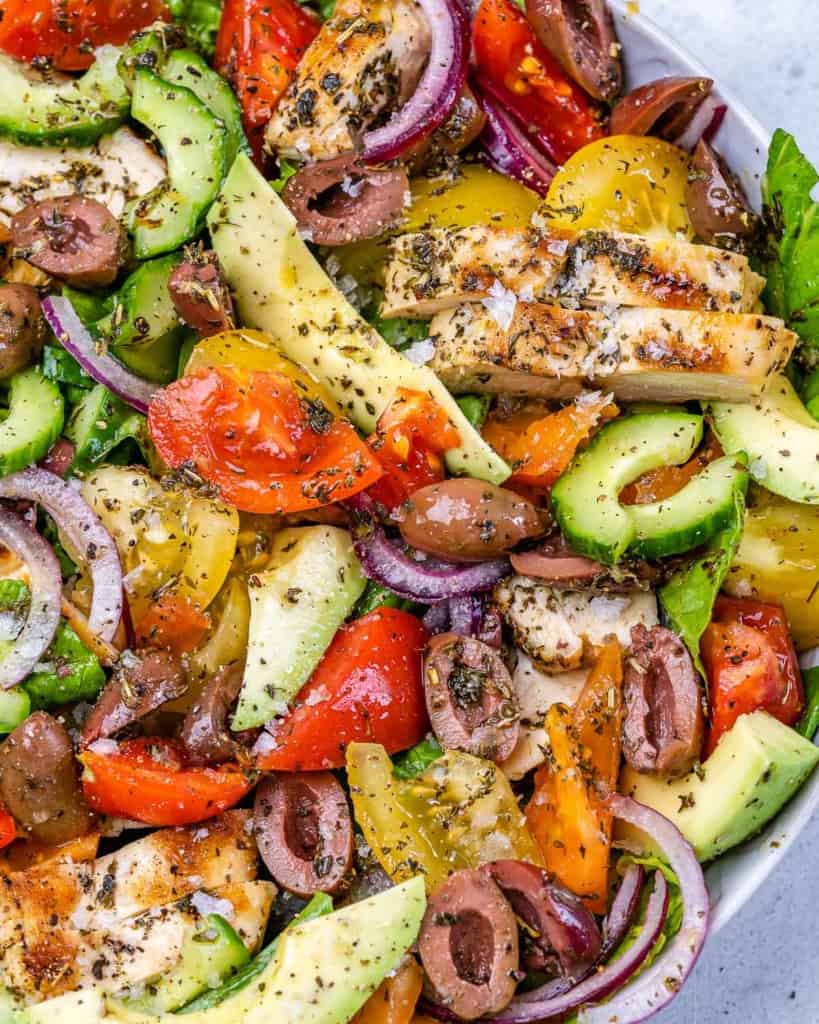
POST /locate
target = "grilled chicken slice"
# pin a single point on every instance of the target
(438, 269)
(117, 169)
(365, 61)
(52, 912)
(637, 354)
(537, 691)
(553, 626)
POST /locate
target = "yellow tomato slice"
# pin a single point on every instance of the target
(623, 183)
(477, 195)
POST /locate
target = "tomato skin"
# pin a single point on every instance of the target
(751, 664)
(395, 999)
(8, 828)
(66, 32)
(530, 82)
(411, 435)
(565, 814)
(658, 484)
(366, 689)
(147, 780)
(174, 622)
(539, 446)
(258, 46)
(254, 437)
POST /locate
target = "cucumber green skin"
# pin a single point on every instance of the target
(585, 500)
(98, 423)
(184, 67)
(34, 422)
(200, 962)
(69, 113)
(193, 141)
(712, 491)
(153, 351)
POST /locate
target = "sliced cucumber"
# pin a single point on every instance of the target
(99, 422)
(780, 437)
(68, 111)
(586, 501)
(144, 330)
(34, 422)
(694, 514)
(297, 605)
(184, 67)
(193, 140)
(15, 707)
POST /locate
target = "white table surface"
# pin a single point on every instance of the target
(762, 968)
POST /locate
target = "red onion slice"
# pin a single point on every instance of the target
(623, 909)
(660, 982)
(383, 560)
(45, 585)
(436, 93)
(704, 124)
(88, 541)
(97, 363)
(509, 150)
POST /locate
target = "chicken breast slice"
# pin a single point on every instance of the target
(434, 270)
(662, 355)
(118, 168)
(537, 691)
(366, 60)
(554, 626)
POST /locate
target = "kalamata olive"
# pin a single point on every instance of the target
(200, 294)
(303, 830)
(555, 920)
(581, 35)
(343, 200)
(716, 203)
(664, 107)
(460, 129)
(468, 520)
(22, 328)
(39, 786)
(205, 731)
(142, 683)
(471, 702)
(71, 237)
(469, 945)
(663, 725)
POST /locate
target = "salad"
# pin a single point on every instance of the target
(409, 470)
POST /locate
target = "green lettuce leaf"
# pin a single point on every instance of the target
(417, 759)
(790, 255)
(808, 724)
(688, 597)
(199, 20)
(673, 920)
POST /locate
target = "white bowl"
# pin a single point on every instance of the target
(649, 54)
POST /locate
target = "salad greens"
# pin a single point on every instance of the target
(417, 759)
(808, 724)
(200, 21)
(790, 257)
(688, 597)
(673, 920)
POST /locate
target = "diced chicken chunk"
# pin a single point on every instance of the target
(553, 626)
(441, 268)
(117, 169)
(536, 692)
(637, 354)
(365, 61)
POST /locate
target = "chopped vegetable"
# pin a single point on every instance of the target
(174, 622)
(808, 724)
(200, 21)
(417, 759)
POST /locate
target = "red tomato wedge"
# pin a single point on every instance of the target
(172, 622)
(147, 780)
(411, 435)
(530, 83)
(751, 664)
(259, 44)
(8, 828)
(264, 447)
(66, 32)
(366, 689)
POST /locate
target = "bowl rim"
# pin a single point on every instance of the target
(735, 876)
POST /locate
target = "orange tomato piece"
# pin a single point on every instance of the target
(395, 999)
(540, 445)
(664, 481)
(174, 622)
(566, 813)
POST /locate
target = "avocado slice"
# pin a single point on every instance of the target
(780, 437)
(280, 288)
(757, 767)
(312, 581)
(323, 972)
